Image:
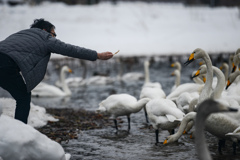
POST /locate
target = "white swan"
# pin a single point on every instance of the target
(21, 141)
(172, 138)
(47, 90)
(177, 75)
(185, 87)
(149, 89)
(99, 80)
(132, 76)
(177, 65)
(163, 114)
(204, 110)
(236, 60)
(121, 105)
(225, 67)
(147, 82)
(37, 115)
(197, 54)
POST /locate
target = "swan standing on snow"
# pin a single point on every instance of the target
(121, 105)
(46, 90)
(163, 114)
(204, 110)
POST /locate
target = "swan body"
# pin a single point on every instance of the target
(121, 105)
(205, 109)
(99, 80)
(186, 87)
(21, 141)
(163, 114)
(132, 76)
(47, 90)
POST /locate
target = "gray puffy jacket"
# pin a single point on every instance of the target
(31, 50)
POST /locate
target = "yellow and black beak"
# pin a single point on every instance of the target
(233, 67)
(228, 84)
(196, 74)
(190, 59)
(70, 71)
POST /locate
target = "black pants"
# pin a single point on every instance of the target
(12, 81)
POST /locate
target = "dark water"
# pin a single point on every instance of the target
(139, 144)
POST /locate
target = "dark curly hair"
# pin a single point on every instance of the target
(42, 24)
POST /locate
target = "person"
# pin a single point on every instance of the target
(24, 57)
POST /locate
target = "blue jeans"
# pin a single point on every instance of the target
(12, 81)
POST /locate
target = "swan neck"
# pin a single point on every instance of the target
(146, 69)
(200, 140)
(220, 83)
(206, 92)
(178, 79)
(64, 86)
(140, 104)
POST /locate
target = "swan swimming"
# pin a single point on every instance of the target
(47, 90)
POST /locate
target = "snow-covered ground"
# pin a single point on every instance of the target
(134, 28)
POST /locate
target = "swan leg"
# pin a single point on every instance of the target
(115, 122)
(156, 133)
(129, 127)
(146, 115)
(221, 143)
(234, 148)
(171, 131)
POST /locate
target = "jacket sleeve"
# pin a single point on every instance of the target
(59, 47)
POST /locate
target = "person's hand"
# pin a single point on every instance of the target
(105, 55)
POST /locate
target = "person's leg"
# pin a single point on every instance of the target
(15, 85)
(11, 80)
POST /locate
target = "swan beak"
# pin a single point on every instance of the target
(70, 71)
(165, 142)
(228, 84)
(232, 109)
(201, 63)
(172, 65)
(190, 59)
(191, 136)
(196, 74)
(184, 132)
(233, 67)
(221, 67)
(204, 79)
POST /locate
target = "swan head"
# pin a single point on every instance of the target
(146, 63)
(210, 106)
(170, 139)
(66, 69)
(196, 54)
(232, 78)
(177, 65)
(176, 72)
(201, 70)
